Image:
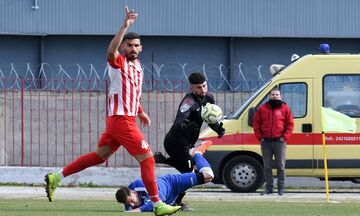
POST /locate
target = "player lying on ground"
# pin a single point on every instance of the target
(136, 198)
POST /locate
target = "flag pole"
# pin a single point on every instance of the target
(325, 169)
(334, 121)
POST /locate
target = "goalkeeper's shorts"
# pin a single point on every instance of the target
(123, 131)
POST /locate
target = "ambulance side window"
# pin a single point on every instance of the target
(342, 93)
(295, 96)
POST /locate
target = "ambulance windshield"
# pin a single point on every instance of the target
(242, 108)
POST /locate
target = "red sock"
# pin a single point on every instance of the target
(148, 177)
(82, 162)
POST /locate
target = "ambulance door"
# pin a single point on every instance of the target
(298, 95)
(341, 92)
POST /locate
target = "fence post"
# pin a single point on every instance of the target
(3, 129)
(22, 122)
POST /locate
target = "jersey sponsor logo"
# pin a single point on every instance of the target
(184, 107)
(144, 144)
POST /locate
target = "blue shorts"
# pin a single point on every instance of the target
(171, 186)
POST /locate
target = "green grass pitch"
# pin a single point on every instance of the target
(39, 207)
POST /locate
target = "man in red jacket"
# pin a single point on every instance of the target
(273, 125)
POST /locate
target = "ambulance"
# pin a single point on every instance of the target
(307, 84)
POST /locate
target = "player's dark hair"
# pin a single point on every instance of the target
(131, 36)
(122, 194)
(196, 78)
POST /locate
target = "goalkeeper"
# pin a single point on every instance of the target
(186, 128)
(136, 198)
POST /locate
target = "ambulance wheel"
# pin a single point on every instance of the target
(243, 174)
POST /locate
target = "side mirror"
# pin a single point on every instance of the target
(251, 116)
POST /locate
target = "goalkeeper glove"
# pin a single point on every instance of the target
(218, 128)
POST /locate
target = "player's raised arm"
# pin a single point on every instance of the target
(130, 17)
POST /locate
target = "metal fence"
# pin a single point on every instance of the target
(52, 125)
(167, 77)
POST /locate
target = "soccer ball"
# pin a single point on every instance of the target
(211, 113)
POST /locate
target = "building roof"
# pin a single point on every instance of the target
(213, 18)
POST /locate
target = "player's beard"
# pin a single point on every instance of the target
(132, 56)
(199, 95)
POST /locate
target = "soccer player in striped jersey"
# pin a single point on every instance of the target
(126, 78)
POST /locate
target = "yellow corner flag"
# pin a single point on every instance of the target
(334, 121)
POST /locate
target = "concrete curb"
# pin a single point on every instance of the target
(100, 176)
(111, 177)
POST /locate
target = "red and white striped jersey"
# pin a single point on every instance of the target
(126, 79)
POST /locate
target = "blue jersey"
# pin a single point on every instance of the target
(170, 187)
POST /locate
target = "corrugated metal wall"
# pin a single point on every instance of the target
(179, 36)
(237, 18)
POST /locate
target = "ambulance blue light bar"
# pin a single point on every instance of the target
(324, 48)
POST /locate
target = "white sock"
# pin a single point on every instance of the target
(61, 174)
(157, 203)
